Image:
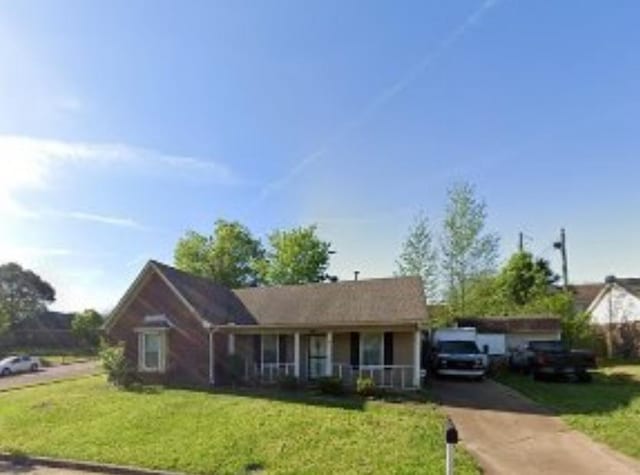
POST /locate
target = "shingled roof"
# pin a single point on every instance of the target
(585, 294)
(393, 300)
(213, 302)
(631, 284)
(529, 323)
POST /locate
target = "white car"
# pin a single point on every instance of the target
(18, 364)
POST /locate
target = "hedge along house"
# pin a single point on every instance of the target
(180, 328)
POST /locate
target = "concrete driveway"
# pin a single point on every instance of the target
(48, 374)
(508, 434)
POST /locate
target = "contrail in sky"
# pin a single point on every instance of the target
(384, 97)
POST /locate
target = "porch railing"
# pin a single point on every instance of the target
(270, 372)
(384, 376)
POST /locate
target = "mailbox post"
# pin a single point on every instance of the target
(451, 439)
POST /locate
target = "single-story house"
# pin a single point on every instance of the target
(616, 302)
(182, 328)
(510, 333)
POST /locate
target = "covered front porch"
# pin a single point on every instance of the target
(390, 356)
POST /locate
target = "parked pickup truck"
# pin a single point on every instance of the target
(459, 358)
(552, 358)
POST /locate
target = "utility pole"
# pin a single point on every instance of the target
(562, 246)
(521, 241)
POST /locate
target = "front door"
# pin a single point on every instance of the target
(317, 356)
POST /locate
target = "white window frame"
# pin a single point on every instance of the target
(362, 335)
(162, 350)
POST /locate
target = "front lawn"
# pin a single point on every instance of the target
(608, 409)
(199, 432)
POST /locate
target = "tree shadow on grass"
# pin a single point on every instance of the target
(306, 395)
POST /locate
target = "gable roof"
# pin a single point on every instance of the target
(585, 294)
(388, 300)
(588, 295)
(631, 284)
(524, 323)
(214, 303)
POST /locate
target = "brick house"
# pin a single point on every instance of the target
(182, 328)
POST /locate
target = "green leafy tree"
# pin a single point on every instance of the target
(296, 256)
(23, 293)
(524, 279)
(418, 256)
(86, 327)
(467, 250)
(483, 297)
(229, 256)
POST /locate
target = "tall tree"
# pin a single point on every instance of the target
(418, 256)
(86, 327)
(296, 256)
(524, 278)
(229, 256)
(467, 251)
(23, 293)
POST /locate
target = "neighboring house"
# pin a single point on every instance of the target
(181, 328)
(45, 330)
(585, 294)
(511, 332)
(616, 302)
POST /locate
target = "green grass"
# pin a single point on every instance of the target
(608, 409)
(199, 432)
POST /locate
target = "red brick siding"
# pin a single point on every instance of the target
(187, 343)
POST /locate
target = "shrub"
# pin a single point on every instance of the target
(366, 387)
(288, 383)
(119, 371)
(331, 385)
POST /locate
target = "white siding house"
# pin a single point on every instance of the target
(616, 303)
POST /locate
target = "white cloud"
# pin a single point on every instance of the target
(27, 163)
(103, 219)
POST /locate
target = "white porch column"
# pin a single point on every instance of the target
(232, 343)
(417, 350)
(296, 354)
(329, 368)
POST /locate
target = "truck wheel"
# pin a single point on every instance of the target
(6, 372)
(34, 367)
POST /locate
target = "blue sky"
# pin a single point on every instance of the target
(125, 123)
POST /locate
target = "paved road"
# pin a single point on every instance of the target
(48, 374)
(509, 434)
(36, 470)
